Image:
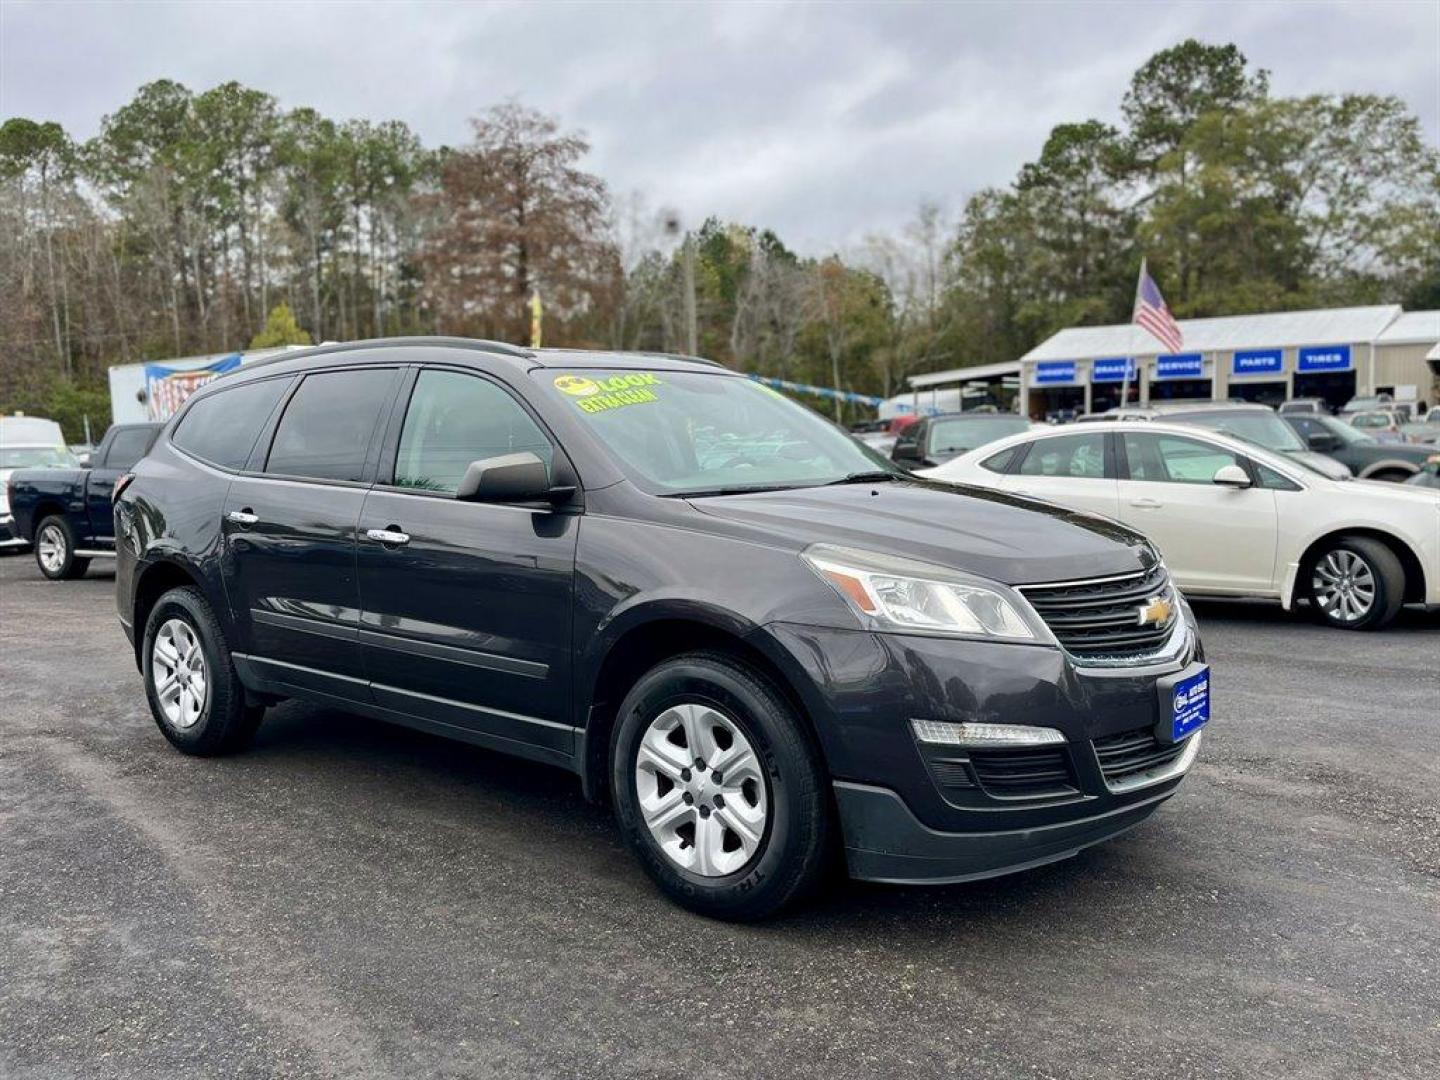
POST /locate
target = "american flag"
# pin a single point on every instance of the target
(1153, 315)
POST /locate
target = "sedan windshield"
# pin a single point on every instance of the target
(953, 437)
(693, 433)
(36, 457)
(1261, 428)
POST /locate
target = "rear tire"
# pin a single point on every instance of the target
(195, 695)
(1356, 583)
(55, 550)
(744, 859)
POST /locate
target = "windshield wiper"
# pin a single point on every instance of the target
(874, 476)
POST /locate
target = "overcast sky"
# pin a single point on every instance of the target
(822, 121)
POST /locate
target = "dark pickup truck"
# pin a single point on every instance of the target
(65, 513)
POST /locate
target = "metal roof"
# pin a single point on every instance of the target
(964, 374)
(1329, 326)
(1412, 328)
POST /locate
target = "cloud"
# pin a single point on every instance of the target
(824, 122)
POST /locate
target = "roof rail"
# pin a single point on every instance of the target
(329, 347)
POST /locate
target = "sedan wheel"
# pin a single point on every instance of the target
(1344, 586)
(1357, 583)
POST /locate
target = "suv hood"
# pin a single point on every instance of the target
(996, 535)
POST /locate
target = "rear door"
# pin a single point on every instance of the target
(1073, 470)
(123, 448)
(466, 606)
(289, 530)
(1213, 538)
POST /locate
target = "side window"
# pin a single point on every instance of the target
(999, 463)
(326, 430)
(1174, 459)
(222, 427)
(127, 447)
(1271, 479)
(1305, 426)
(454, 419)
(1067, 455)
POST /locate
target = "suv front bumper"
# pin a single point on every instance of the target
(913, 811)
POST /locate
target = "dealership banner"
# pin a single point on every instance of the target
(167, 388)
(1114, 369)
(1180, 366)
(1054, 371)
(818, 391)
(1257, 362)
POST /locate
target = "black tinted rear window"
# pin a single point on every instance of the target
(326, 430)
(128, 446)
(222, 428)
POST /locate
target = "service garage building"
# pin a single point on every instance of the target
(1334, 353)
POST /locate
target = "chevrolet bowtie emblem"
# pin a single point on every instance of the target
(1155, 611)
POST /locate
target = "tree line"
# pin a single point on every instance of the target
(212, 221)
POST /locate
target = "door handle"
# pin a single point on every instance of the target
(242, 517)
(1146, 504)
(391, 535)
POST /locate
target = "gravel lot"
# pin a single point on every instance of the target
(352, 899)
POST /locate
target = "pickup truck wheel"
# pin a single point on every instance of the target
(55, 550)
(195, 695)
(718, 790)
(1357, 583)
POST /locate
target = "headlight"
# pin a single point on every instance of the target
(900, 594)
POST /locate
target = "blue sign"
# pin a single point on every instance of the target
(1257, 362)
(1190, 704)
(1055, 371)
(1314, 358)
(1112, 370)
(1180, 366)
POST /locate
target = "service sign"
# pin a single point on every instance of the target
(1180, 366)
(1114, 369)
(1315, 358)
(1257, 362)
(1054, 371)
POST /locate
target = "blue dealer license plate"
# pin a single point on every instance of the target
(1187, 702)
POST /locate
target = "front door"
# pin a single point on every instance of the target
(466, 606)
(289, 533)
(1213, 538)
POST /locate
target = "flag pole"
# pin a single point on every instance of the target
(1130, 360)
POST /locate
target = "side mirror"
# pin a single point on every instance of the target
(86, 461)
(903, 451)
(1231, 476)
(1321, 440)
(509, 478)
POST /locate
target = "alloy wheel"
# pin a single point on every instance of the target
(178, 670)
(701, 789)
(50, 547)
(1344, 586)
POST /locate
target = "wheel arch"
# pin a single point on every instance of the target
(47, 507)
(1388, 465)
(153, 580)
(1410, 562)
(621, 656)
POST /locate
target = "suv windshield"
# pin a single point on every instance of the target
(1263, 428)
(1347, 435)
(37, 457)
(693, 433)
(954, 437)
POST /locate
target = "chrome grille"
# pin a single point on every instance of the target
(1100, 619)
(1133, 752)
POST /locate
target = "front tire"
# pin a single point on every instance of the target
(195, 696)
(1357, 583)
(55, 550)
(739, 847)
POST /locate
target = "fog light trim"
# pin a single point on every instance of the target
(980, 736)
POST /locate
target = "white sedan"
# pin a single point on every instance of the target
(1230, 518)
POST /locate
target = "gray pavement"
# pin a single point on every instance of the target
(352, 899)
